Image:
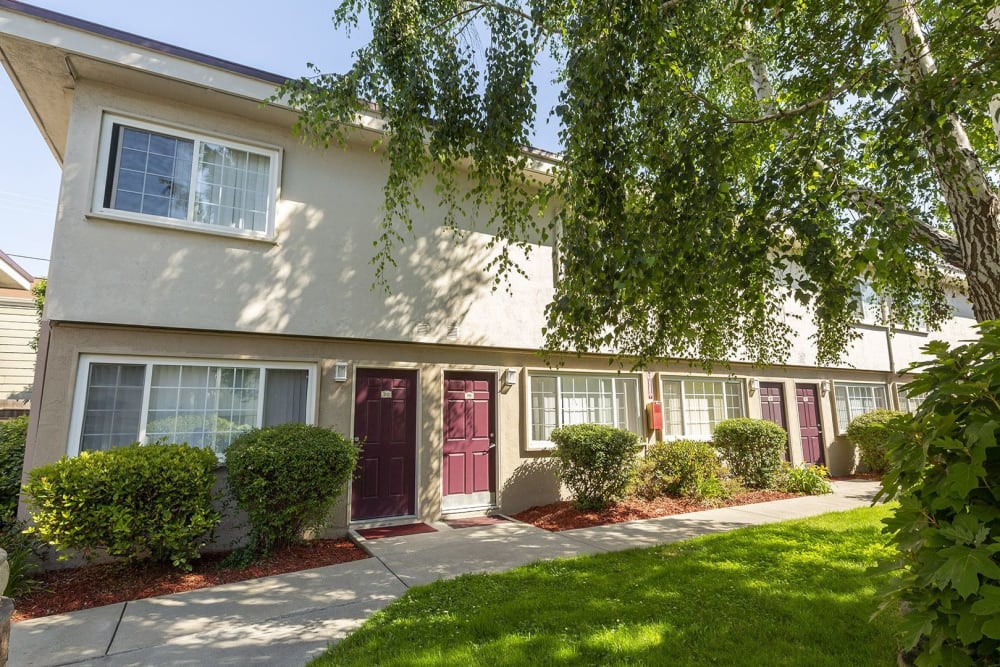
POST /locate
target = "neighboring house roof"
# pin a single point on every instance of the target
(12, 275)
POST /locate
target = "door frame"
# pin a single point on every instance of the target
(402, 518)
(818, 394)
(495, 372)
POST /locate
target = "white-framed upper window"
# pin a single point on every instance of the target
(166, 176)
(120, 400)
(869, 305)
(562, 399)
(856, 398)
(692, 407)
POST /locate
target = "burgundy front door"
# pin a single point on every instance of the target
(806, 398)
(469, 434)
(772, 405)
(385, 423)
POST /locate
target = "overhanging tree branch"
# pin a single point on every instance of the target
(777, 113)
(922, 232)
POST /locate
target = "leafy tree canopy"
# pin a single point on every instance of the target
(718, 156)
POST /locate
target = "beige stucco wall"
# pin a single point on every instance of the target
(524, 476)
(315, 279)
(18, 326)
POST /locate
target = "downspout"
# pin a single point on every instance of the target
(892, 359)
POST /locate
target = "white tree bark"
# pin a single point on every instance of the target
(993, 23)
(760, 78)
(859, 196)
(972, 203)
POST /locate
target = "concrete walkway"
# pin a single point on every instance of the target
(287, 619)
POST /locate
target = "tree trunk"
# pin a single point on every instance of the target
(859, 196)
(972, 203)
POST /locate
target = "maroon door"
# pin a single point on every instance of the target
(772, 405)
(809, 428)
(469, 428)
(385, 423)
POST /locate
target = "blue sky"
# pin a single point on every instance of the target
(280, 38)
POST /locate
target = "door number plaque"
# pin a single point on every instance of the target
(386, 393)
(469, 395)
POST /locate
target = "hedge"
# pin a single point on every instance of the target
(752, 448)
(287, 479)
(869, 434)
(136, 502)
(596, 462)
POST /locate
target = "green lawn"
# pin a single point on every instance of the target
(794, 593)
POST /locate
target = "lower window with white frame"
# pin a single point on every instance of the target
(201, 403)
(910, 402)
(693, 407)
(562, 399)
(856, 398)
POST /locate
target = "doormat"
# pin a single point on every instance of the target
(396, 531)
(475, 522)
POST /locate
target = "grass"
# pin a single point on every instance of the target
(793, 593)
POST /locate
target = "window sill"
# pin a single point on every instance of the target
(697, 438)
(112, 216)
(541, 446)
(881, 327)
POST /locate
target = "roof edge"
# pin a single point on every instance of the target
(138, 40)
(197, 57)
(15, 271)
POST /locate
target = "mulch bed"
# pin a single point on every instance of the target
(869, 476)
(396, 531)
(563, 516)
(98, 585)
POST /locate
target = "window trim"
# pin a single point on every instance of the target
(98, 210)
(544, 445)
(905, 400)
(744, 399)
(842, 428)
(83, 376)
(869, 311)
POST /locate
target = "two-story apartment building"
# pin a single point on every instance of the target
(210, 273)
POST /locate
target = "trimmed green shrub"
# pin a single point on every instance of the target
(752, 448)
(24, 552)
(719, 488)
(596, 462)
(809, 479)
(944, 467)
(136, 502)
(679, 468)
(287, 479)
(13, 433)
(868, 433)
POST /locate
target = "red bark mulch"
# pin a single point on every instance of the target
(563, 516)
(869, 476)
(97, 585)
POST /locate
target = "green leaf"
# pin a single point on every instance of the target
(991, 628)
(962, 478)
(962, 568)
(969, 628)
(989, 602)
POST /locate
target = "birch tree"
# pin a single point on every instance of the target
(717, 157)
